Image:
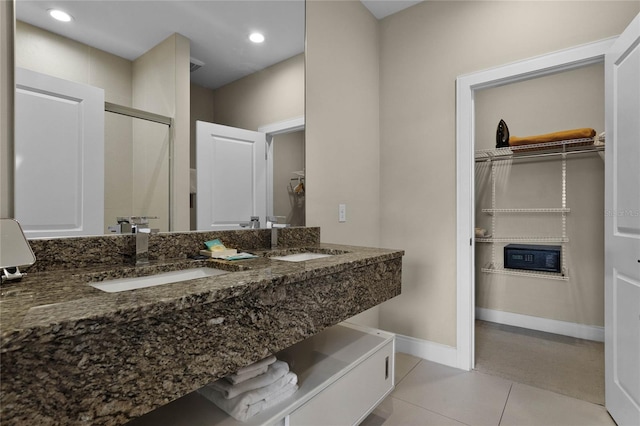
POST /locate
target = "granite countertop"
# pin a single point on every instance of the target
(75, 355)
(64, 302)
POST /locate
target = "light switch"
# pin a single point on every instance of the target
(342, 212)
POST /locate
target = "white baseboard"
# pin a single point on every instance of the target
(572, 329)
(431, 351)
(448, 355)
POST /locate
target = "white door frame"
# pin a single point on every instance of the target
(466, 85)
(286, 126)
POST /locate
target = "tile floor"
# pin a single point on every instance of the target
(561, 364)
(429, 394)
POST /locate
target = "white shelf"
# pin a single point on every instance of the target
(572, 146)
(523, 240)
(563, 148)
(320, 362)
(519, 273)
(538, 210)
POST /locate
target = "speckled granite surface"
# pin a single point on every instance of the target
(79, 252)
(72, 354)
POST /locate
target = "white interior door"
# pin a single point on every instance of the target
(622, 228)
(59, 150)
(231, 176)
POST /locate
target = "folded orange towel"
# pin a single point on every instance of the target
(563, 135)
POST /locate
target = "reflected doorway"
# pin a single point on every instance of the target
(289, 177)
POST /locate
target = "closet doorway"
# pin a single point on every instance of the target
(468, 88)
(289, 177)
(621, 229)
(286, 180)
(544, 329)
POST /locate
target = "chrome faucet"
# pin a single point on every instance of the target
(255, 222)
(139, 225)
(272, 223)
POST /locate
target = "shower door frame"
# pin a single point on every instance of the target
(155, 118)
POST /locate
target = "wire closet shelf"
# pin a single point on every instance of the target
(550, 149)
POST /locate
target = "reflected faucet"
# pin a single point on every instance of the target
(272, 223)
(138, 225)
(255, 222)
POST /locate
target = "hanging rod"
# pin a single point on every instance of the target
(512, 156)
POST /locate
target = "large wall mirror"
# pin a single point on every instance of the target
(233, 82)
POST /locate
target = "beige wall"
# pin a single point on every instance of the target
(342, 133)
(7, 33)
(201, 100)
(161, 85)
(562, 101)
(201, 110)
(161, 80)
(264, 97)
(423, 50)
(42, 51)
(118, 168)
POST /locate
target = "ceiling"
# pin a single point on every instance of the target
(218, 30)
(383, 8)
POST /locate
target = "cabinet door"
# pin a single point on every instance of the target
(352, 397)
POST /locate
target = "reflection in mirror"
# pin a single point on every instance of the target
(59, 156)
(137, 170)
(110, 46)
(289, 177)
(266, 100)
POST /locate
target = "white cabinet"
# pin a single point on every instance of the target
(348, 399)
(343, 372)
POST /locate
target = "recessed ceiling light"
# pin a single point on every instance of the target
(256, 37)
(60, 15)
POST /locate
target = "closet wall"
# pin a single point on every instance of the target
(568, 100)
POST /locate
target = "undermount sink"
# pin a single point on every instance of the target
(124, 284)
(301, 257)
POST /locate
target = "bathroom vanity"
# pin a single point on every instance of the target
(74, 354)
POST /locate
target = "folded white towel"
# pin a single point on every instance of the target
(274, 399)
(251, 371)
(274, 372)
(237, 379)
(250, 403)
